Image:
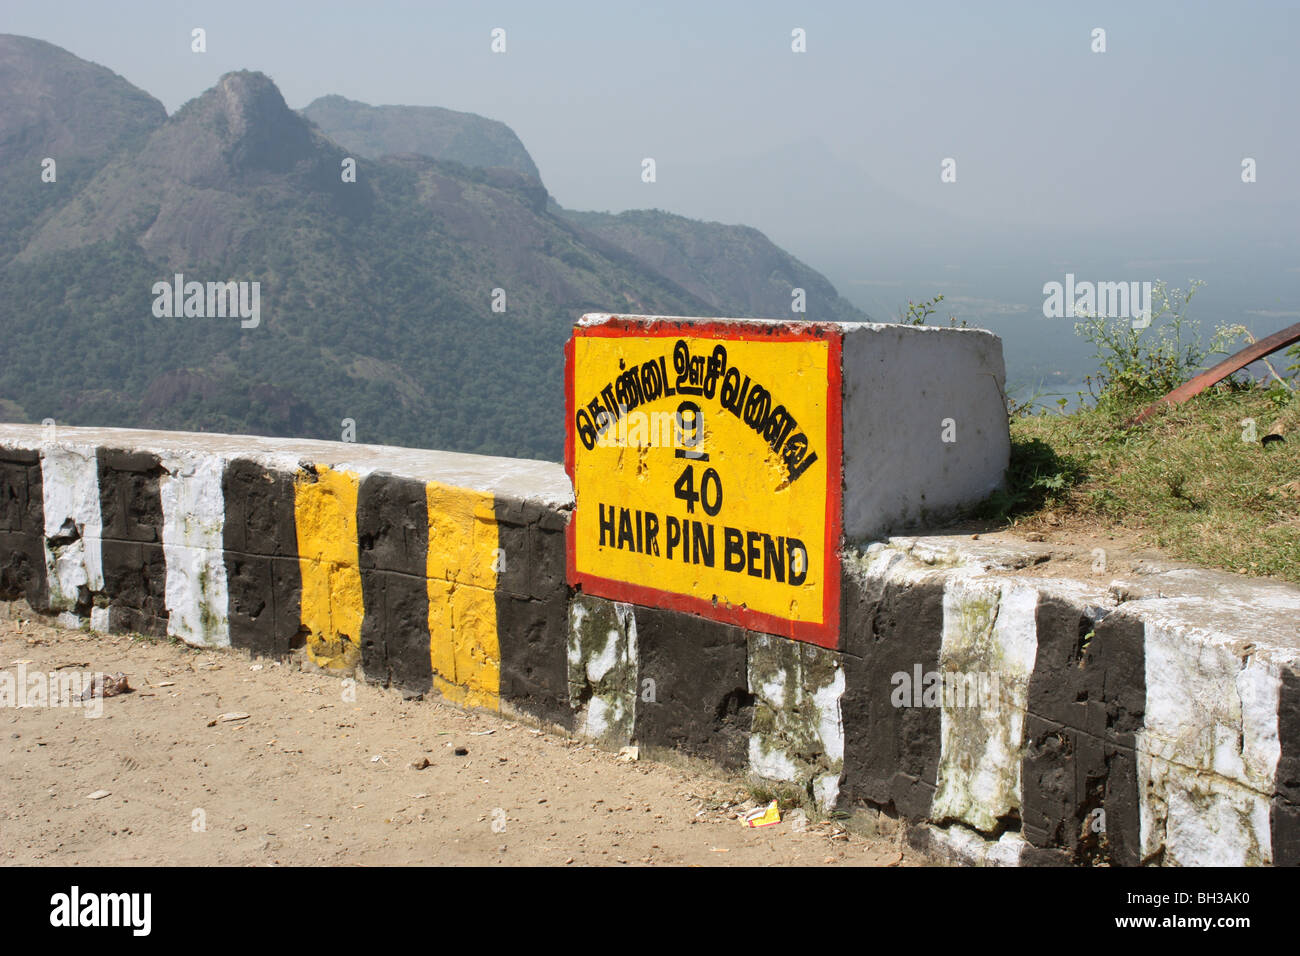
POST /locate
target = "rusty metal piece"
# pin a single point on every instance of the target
(1252, 353)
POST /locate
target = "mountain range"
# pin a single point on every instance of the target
(415, 275)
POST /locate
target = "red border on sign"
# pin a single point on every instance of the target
(825, 634)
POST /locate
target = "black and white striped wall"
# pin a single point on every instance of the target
(1151, 717)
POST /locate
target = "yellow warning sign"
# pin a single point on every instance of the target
(705, 459)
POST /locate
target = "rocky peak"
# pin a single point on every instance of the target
(255, 129)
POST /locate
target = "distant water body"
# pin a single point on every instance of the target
(1048, 394)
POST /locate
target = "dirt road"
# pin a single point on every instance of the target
(309, 777)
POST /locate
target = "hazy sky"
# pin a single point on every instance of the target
(1041, 127)
(835, 152)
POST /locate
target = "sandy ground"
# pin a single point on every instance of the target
(309, 777)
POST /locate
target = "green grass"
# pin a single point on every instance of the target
(1184, 482)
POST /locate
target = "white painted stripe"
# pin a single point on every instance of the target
(800, 712)
(970, 849)
(827, 702)
(70, 488)
(193, 508)
(990, 639)
(1208, 751)
(767, 754)
(609, 714)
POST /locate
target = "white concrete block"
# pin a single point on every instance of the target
(925, 424)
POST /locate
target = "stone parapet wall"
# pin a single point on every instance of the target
(1008, 716)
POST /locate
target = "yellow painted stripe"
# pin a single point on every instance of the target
(463, 643)
(325, 511)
